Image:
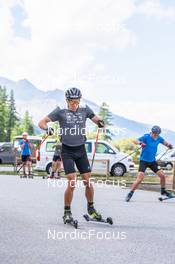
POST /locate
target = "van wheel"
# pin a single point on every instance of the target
(118, 169)
(49, 168)
(169, 166)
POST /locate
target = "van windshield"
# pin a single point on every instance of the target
(50, 146)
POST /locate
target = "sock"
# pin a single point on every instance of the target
(67, 208)
(90, 204)
(131, 192)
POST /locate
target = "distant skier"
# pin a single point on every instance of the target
(149, 143)
(56, 162)
(72, 120)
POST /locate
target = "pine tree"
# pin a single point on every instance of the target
(27, 123)
(24, 124)
(106, 116)
(3, 113)
(11, 116)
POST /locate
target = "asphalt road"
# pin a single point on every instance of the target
(32, 231)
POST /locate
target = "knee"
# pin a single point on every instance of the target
(161, 174)
(140, 177)
(86, 180)
(71, 181)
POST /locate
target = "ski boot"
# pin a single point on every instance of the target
(24, 175)
(30, 175)
(166, 193)
(94, 216)
(68, 219)
(93, 213)
(129, 195)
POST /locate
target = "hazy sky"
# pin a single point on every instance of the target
(118, 51)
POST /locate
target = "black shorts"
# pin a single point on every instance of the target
(25, 158)
(56, 158)
(72, 156)
(152, 165)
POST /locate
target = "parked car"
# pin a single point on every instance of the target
(104, 151)
(34, 140)
(166, 161)
(7, 153)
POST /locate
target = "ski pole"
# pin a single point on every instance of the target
(47, 135)
(20, 168)
(95, 148)
(129, 154)
(163, 154)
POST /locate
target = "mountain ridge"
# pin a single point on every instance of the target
(39, 103)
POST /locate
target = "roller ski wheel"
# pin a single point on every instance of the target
(69, 220)
(23, 176)
(108, 220)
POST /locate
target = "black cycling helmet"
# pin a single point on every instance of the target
(73, 93)
(156, 129)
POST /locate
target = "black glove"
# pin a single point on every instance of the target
(49, 130)
(142, 144)
(101, 123)
(170, 146)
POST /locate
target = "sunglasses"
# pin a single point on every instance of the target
(74, 101)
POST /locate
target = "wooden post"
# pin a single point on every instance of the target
(174, 177)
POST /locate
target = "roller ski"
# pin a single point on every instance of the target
(94, 216)
(24, 175)
(168, 195)
(30, 176)
(68, 219)
(53, 175)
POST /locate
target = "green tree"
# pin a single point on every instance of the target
(127, 146)
(11, 116)
(24, 124)
(27, 123)
(106, 116)
(3, 113)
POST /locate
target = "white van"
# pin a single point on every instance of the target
(104, 152)
(166, 161)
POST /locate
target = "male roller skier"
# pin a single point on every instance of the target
(149, 144)
(72, 121)
(26, 147)
(56, 162)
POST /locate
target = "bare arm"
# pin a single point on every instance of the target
(43, 123)
(95, 119)
(168, 145)
(137, 142)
